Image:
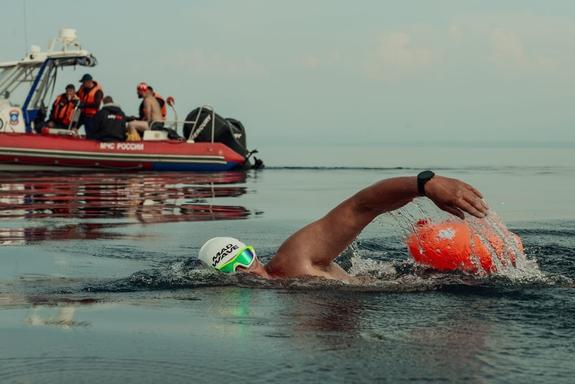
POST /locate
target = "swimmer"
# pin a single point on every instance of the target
(151, 112)
(311, 251)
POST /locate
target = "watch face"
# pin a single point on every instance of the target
(426, 175)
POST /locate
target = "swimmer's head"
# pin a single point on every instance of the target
(227, 254)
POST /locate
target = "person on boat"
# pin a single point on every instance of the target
(311, 251)
(63, 108)
(110, 122)
(161, 101)
(151, 117)
(90, 95)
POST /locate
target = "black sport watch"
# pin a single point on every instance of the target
(422, 179)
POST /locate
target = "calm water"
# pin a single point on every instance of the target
(99, 282)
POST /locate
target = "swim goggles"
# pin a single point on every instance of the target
(244, 258)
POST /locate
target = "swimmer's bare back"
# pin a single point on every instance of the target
(152, 109)
(312, 250)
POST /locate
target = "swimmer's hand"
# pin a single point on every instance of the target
(456, 197)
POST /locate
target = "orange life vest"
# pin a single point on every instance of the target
(162, 103)
(89, 97)
(62, 110)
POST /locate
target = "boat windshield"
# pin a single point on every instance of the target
(16, 81)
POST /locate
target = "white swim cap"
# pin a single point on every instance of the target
(220, 251)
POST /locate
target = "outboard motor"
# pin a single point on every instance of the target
(228, 131)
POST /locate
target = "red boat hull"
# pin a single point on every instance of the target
(63, 151)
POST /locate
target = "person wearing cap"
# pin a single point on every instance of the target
(159, 98)
(109, 122)
(152, 113)
(90, 95)
(311, 251)
(63, 109)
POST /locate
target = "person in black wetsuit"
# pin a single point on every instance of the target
(110, 122)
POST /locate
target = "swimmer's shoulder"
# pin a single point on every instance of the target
(283, 265)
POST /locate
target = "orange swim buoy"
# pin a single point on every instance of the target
(451, 246)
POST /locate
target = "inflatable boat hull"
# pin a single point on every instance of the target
(26, 150)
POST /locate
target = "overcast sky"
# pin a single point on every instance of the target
(368, 72)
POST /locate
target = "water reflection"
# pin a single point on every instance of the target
(392, 333)
(61, 315)
(441, 343)
(28, 199)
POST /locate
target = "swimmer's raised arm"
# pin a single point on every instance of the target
(312, 249)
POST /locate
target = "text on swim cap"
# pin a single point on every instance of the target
(223, 253)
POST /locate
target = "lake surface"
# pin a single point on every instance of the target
(99, 280)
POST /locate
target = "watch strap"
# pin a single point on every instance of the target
(422, 179)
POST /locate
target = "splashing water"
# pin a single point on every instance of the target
(513, 262)
(504, 249)
(359, 266)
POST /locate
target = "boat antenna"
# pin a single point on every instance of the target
(25, 26)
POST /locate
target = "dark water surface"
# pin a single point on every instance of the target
(99, 283)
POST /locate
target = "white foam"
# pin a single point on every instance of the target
(521, 269)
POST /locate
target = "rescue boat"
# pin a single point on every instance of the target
(209, 142)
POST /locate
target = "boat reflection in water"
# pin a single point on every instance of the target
(29, 202)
